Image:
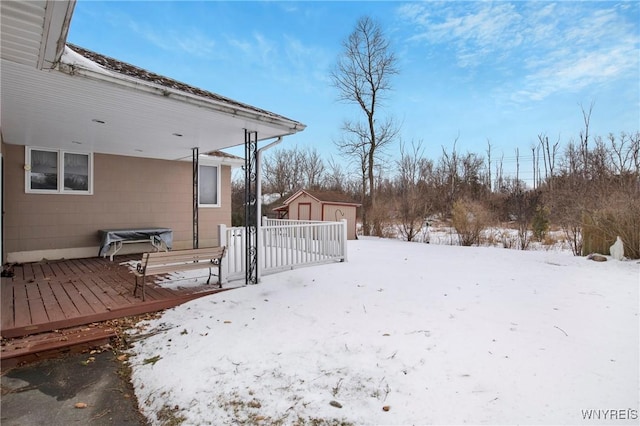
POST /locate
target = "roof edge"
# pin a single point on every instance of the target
(55, 30)
(202, 98)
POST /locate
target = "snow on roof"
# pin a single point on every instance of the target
(223, 158)
(73, 58)
(222, 154)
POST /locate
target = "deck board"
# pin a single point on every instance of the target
(22, 315)
(48, 272)
(38, 273)
(86, 292)
(74, 292)
(116, 295)
(58, 294)
(62, 268)
(6, 294)
(54, 311)
(63, 300)
(36, 304)
(75, 270)
(56, 271)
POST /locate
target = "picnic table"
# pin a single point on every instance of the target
(112, 240)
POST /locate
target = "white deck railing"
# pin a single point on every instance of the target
(283, 245)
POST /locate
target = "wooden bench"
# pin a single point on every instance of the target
(179, 260)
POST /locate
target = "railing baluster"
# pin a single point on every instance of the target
(288, 244)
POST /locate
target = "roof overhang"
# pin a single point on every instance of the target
(297, 194)
(300, 192)
(90, 109)
(34, 32)
(225, 159)
(93, 112)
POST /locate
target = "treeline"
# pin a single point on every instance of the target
(588, 187)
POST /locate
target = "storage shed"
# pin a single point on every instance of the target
(328, 206)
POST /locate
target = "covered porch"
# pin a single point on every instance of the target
(143, 139)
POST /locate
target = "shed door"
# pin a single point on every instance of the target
(304, 211)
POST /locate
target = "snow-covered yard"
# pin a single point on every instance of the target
(404, 333)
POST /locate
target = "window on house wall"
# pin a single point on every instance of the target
(209, 186)
(57, 171)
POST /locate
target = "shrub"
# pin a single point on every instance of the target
(469, 219)
(540, 223)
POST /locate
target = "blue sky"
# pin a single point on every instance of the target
(476, 71)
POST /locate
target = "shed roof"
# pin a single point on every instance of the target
(324, 197)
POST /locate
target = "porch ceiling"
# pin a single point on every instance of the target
(57, 110)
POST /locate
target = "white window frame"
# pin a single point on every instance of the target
(218, 186)
(60, 189)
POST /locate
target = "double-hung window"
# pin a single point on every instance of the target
(50, 171)
(209, 186)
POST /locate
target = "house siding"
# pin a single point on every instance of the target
(128, 192)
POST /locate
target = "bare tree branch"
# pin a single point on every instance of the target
(362, 76)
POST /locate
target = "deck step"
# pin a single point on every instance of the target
(134, 309)
(44, 345)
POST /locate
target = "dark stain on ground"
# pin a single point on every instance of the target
(47, 392)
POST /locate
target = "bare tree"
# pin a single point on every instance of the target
(336, 177)
(517, 164)
(412, 198)
(312, 168)
(635, 152)
(584, 137)
(622, 153)
(535, 153)
(499, 184)
(549, 153)
(460, 176)
(354, 146)
(447, 169)
(362, 76)
(488, 182)
(282, 171)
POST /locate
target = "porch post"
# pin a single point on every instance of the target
(195, 153)
(222, 242)
(345, 236)
(251, 205)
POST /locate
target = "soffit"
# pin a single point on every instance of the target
(57, 110)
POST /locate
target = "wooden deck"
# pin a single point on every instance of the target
(54, 295)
